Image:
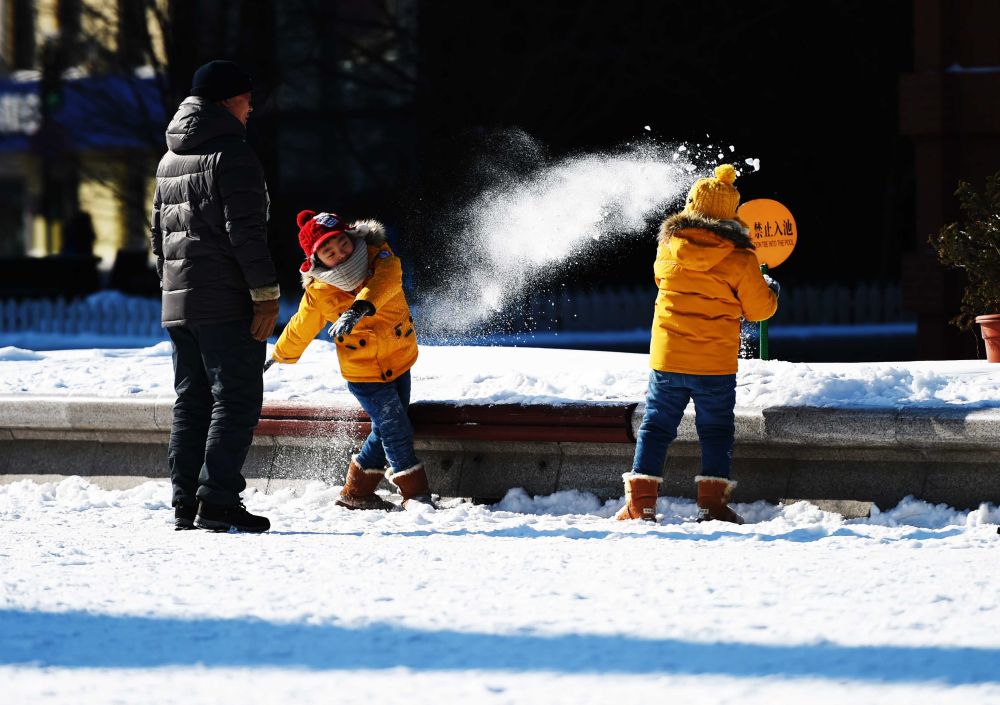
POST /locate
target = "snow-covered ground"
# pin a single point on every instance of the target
(534, 600)
(519, 375)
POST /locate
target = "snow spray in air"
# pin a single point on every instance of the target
(511, 233)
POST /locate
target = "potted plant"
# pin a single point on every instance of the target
(973, 245)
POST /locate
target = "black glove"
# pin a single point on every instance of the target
(772, 284)
(267, 365)
(349, 318)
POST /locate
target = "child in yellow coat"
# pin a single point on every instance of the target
(353, 280)
(708, 278)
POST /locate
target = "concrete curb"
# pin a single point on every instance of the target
(868, 454)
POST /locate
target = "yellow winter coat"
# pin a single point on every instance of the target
(381, 347)
(708, 276)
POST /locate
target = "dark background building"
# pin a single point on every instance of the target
(816, 101)
(864, 116)
(950, 115)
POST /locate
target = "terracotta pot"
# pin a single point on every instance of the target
(989, 326)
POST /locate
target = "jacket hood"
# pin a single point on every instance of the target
(198, 120)
(699, 243)
(370, 233)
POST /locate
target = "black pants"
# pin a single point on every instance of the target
(220, 389)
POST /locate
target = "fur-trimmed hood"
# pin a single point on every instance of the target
(699, 243)
(735, 231)
(370, 233)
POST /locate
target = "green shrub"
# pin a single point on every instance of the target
(973, 245)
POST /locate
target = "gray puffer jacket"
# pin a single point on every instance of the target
(209, 221)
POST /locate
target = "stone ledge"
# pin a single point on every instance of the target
(584, 423)
(876, 455)
(867, 430)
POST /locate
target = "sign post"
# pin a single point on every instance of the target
(774, 233)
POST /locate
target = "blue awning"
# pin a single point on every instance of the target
(96, 112)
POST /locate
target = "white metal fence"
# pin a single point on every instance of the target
(102, 314)
(111, 313)
(630, 308)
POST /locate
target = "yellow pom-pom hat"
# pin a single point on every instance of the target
(715, 197)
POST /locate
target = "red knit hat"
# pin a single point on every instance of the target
(315, 228)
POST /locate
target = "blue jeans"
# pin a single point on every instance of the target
(391, 439)
(714, 401)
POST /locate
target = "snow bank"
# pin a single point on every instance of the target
(315, 504)
(520, 375)
(12, 354)
(532, 600)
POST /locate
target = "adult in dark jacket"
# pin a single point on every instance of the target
(220, 295)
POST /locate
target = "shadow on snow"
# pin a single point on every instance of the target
(81, 640)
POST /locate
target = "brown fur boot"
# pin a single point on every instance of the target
(412, 484)
(359, 489)
(641, 492)
(713, 499)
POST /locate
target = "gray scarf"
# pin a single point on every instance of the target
(349, 274)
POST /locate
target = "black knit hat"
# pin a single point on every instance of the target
(220, 79)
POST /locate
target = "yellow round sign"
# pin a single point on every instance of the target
(772, 230)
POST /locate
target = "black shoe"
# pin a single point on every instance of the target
(223, 517)
(184, 515)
